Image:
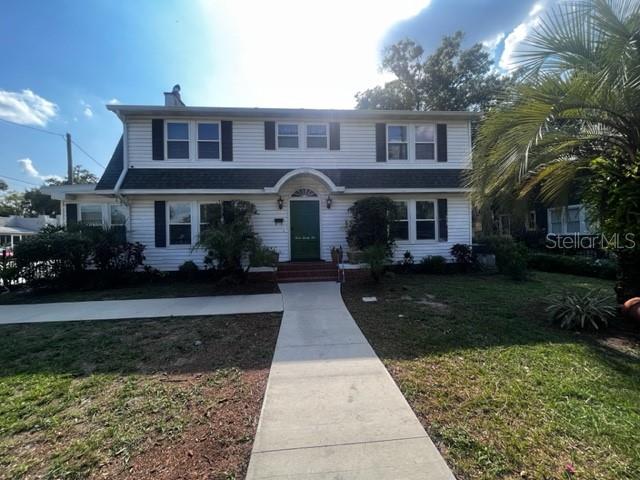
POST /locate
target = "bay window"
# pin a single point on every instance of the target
(180, 223)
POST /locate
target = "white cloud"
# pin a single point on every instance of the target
(517, 35)
(492, 43)
(288, 53)
(114, 101)
(26, 108)
(87, 112)
(27, 166)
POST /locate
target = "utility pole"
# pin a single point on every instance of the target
(69, 161)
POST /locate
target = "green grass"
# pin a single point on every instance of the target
(79, 396)
(502, 392)
(168, 288)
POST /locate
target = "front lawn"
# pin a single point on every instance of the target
(503, 393)
(144, 399)
(165, 288)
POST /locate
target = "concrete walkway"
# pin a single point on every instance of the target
(331, 409)
(157, 307)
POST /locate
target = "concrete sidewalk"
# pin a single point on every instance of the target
(331, 409)
(146, 308)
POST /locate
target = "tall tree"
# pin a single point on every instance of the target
(80, 175)
(449, 79)
(12, 203)
(3, 186)
(574, 115)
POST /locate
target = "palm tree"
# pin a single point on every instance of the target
(575, 113)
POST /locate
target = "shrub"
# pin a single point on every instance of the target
(9, 271)
(550, 262)
(376, 257)
(463, 255)
(433, 264)
(371, 223)
(581, 310)
(511, 257)
(229, 243)
(112, 254)
(188, 270)
(262, 256)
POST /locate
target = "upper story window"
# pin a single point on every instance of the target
(425, 220)
(317, 136)
(90, 214)
(180, 223)
(400, 228)
(425, 142)
(397, 142)
(288, 135)
(209, 141)
(177, 140)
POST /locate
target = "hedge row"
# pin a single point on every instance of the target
(554, 263)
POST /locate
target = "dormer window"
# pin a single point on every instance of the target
(317, 136)
(208, 141)
(177, 140)
(288, 135)
(397, 143)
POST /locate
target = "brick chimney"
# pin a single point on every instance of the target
(172, 98)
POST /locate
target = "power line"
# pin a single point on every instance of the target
(87, 154)
(18, 180)
(32, 128)
(42, 130)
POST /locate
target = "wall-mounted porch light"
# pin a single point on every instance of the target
(280, 203)
(329, 201)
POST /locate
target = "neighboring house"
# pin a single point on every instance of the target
(175, 166)
(14, 228)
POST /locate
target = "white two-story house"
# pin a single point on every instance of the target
(175, 166)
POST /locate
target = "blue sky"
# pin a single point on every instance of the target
(63, 61)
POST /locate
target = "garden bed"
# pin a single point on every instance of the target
(503, 393)
(144, 399)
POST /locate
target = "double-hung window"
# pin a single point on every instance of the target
(288, 135)
(555, 215)
(397, 142)
(177, 140)
(210, 215)
(573, 219)
(209, 141)
(425, 142)
(317, 136)
(91, 214)
(180, 223)
(118, 220)
(425, 220)
(400, 227)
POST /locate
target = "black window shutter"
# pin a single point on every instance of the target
(441, 135)
(226, 127)
(72, 213)
(160, 223)
(269, 135)
(157, 138)
(334, 136)
(381, 142)
(443, 227)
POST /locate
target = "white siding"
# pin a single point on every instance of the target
(357, 149)
(332, 227)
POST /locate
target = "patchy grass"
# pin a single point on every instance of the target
(168, 288)
(133, 399)
(503, 393)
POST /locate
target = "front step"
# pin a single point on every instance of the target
(307, 272)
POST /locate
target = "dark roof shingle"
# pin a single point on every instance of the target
(114, 169)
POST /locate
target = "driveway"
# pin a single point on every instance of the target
(331, 409)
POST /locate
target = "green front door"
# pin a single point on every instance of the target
(305, 230)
